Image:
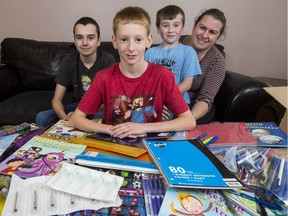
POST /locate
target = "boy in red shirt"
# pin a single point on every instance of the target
(133, 91)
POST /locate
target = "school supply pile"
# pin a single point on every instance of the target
(263, 170)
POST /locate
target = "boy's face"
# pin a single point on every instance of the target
(131, 40)
(171, 30)
(86, 39)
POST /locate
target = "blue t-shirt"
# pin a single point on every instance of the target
(182, 60)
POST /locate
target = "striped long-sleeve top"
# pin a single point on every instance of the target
(206, 86)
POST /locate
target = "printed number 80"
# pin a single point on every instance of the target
(176, 169)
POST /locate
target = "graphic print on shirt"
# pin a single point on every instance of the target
(138, 109)
(169, 63)
(86, 82)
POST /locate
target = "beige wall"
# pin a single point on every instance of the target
(256, 42)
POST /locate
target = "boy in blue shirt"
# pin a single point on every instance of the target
(182, 60)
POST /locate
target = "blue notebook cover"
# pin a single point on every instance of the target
(267, 134)
(190, 164)
(101, 160)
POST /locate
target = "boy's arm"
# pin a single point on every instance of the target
(57, 104)
(184, 121)
(186, 84)
(78, 120)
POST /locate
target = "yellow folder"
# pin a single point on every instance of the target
(109, 146)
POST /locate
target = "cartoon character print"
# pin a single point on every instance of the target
(121, 105)
(13, 165)
(138, 109)
(30, 163)
(68, 131)
(31, 154)
(48, 164)
(86, 81)
(191, 206)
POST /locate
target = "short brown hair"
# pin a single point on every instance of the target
(169, 12)
(85, 21)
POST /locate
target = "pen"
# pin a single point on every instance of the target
(147, 196)
(207, 140)
(283, 186)
(273, 173)
(260, 201)
(249, 156)
(200, 136)
(281, 170)
(153, 196)
(210, 140)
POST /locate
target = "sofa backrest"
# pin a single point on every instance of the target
(38, 62)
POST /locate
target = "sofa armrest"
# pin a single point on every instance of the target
(10, 82)
(239, 98)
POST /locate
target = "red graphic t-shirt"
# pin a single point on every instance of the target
(138, 100)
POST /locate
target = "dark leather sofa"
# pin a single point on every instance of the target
(28, 68)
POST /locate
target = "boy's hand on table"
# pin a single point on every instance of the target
(128, 129)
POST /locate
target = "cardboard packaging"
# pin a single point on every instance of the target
(280, 95)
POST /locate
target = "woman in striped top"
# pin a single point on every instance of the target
(208, 28)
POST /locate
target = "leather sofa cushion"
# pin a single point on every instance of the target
(10, 84)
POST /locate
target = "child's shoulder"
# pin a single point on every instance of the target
(186, 49)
